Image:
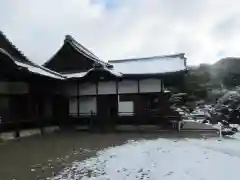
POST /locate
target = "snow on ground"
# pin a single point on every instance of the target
(166, 159)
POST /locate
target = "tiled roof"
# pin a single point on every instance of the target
(32, 67)
(151, 65)
(80, 48)
(83, 74)
(11, 48)
(37, 69)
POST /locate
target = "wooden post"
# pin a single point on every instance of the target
(42, 127)
(220, 131)
(16, 122)
(78, 105)
(115, 120)
(138, 82)
(179, 126)
(162, 86)
(137, 119)
(96, 119)
(17, 130)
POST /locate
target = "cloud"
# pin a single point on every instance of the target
(115, 29)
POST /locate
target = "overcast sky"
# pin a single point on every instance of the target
(206, 30)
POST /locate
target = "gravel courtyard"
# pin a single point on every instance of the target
(163, 158)
(39, 157)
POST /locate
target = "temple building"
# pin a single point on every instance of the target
(124, 87)
(75, 84)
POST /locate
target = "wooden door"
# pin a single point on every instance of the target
(107, 105)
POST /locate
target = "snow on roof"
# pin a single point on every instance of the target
(80, 48)
(151, 65)
(112, 71)
(71, 40)
(75, 75)
(83, 74)
(34, 67)
(5, 53)
(40, 70)
(11, 48)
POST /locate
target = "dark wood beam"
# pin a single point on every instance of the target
(117, 87)
(96, 83)
(117, 92)
(161, 89)
(78, 99)
(138, 83)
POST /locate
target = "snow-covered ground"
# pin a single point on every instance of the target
(166, 159)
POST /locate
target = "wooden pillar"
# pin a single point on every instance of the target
(117, 93)
(138, 82)
(137, 117)
(116, 118)
(96, 87)
(96, 83)
(179, 126)
(162, 85)
(117, 87)
(97, 123)
(78, 98)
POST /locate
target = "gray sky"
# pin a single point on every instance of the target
(205, 30)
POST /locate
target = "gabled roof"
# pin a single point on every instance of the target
(83, 54)
(151, 65)
(81, 49)
(8, 46)
(20, 60)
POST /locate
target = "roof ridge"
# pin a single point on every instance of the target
(81, 49)
(181, 55)
(14, 47)
(70, 39)
(76, 44)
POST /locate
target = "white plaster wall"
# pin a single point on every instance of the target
(87, 89)
(13, 88)
(125, 108)
(127, 86)
(107, 87)
(150, 85)
(87, 104)
(73, 106)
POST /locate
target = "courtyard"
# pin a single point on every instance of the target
(79, 155)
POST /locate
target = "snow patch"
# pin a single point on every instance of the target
(161, 159)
